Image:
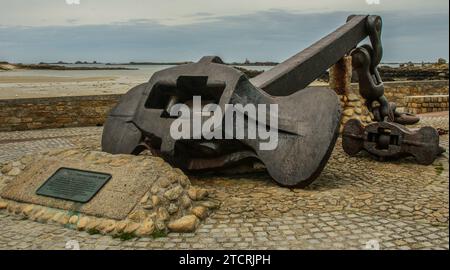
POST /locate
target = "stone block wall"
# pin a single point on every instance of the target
(55, 112)
(425, 104)
(76, 111)
(398, 91)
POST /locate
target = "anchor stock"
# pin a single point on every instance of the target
(308, 117)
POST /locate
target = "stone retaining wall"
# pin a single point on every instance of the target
(75, 111)
(424, 104)
(398, 91)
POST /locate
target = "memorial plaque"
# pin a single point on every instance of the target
(73, 184)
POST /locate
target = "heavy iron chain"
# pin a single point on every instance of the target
(365, 60)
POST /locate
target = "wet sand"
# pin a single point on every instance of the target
(12, 87)
(46, 79)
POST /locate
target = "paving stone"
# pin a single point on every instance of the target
(408, 206)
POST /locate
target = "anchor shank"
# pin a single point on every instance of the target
(303, 68)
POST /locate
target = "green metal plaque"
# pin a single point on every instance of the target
(73, 184)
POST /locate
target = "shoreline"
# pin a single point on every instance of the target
(12, 67)
(52, 79)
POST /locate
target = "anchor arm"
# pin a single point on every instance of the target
(303, 68)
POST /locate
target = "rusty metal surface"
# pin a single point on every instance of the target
(308, 118)
(140, 121)
(386, 140)
(303, 68)
(365, 61)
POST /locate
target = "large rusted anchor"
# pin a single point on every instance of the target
(308, 117)
(386, 138)
(141, 120)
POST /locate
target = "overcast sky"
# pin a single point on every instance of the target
(178, 30)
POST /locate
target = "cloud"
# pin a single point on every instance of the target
(72, 21)
(200, 14)
(266, 35)
(56, 12)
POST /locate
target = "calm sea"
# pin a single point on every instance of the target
(141, 71)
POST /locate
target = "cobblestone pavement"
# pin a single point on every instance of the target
(356, 203)
(17, 143)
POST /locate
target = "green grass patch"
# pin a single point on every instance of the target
(124, 236)
(159, 234)
(93, 231)
(439, 168)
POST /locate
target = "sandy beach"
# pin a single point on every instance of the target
(48, 79)
(34, 85)
(41, 86)
(101, 80)
(52, 83)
